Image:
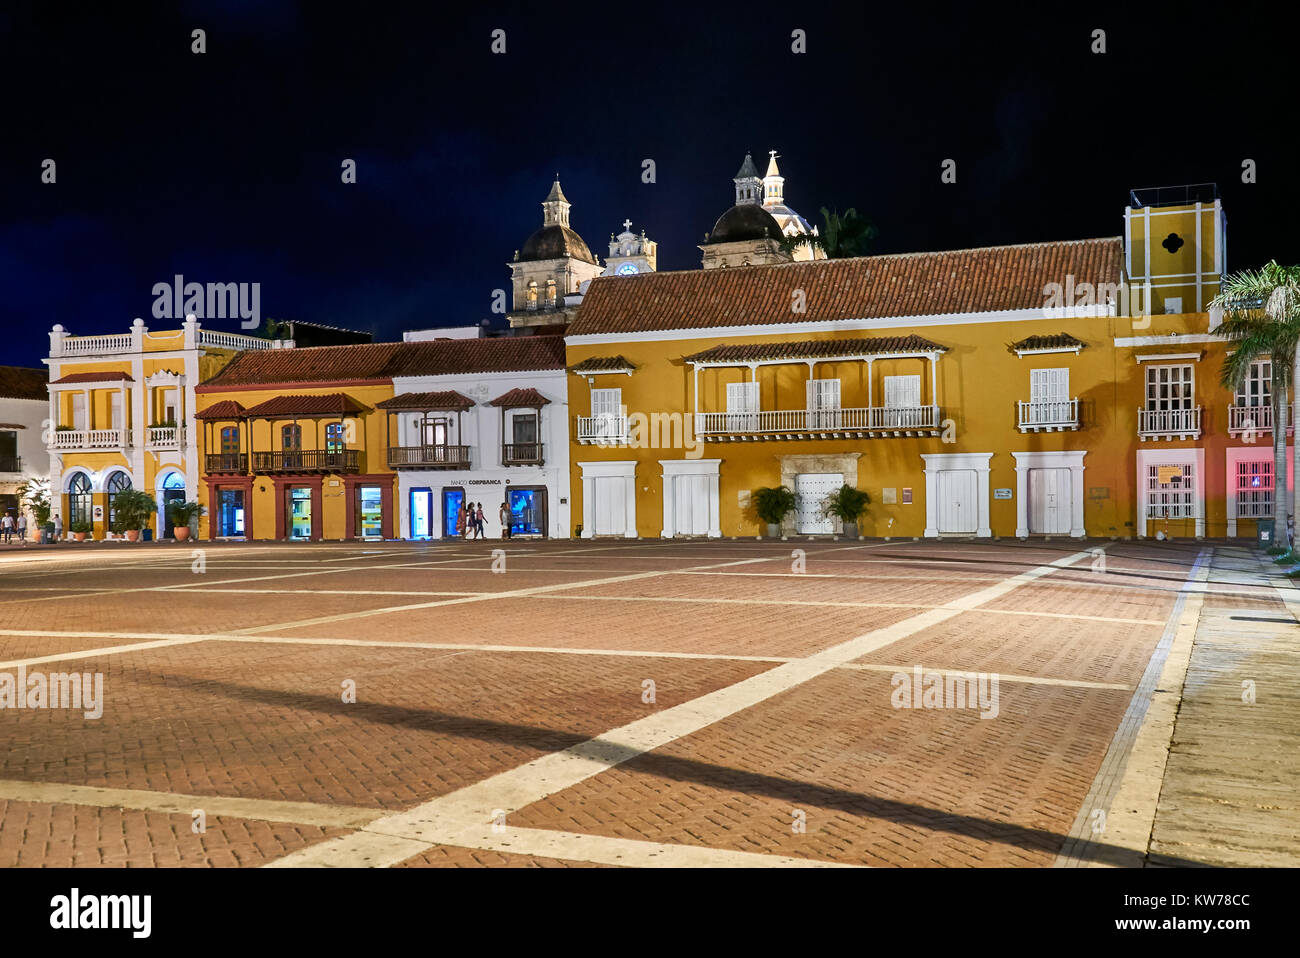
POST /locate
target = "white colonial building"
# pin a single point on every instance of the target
(481, 421)
(24, 406)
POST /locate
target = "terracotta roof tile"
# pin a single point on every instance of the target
(102, 377)
(912, 284)
(422, 402)
(816, 348)
(226, 409)
(602, 364)
(520, 398)
(383, 361)
(330, 404)
(1059, 341)
(19, 382)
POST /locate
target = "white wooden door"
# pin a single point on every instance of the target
(958, 506)
(742, 407)
(810, 492)
(902, 395)
(823, 403)
(1051, 501)
(691, 505)
(1049, 395)
(607, 411)
(610, 507)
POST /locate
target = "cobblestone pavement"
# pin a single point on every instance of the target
(725, 703)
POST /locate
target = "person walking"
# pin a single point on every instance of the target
(504, 513)
(22, 528)
(7, 527)
(478, 522)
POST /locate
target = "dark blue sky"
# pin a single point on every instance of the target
(225, 167)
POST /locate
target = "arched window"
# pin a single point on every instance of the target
(117, 482)
(174, 480)
(79, 500)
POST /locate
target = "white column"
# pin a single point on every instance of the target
(931, 503)
(934, 380)
(670, 505)
(1077, 529)
(715, 521)
(1022, 504)
(588, 506)
(630, 504)
(982, 480)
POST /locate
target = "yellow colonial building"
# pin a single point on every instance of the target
(121, 409)
(1057, 389)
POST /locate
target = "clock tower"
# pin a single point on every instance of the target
(630, 254)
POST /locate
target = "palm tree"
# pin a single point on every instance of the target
(1262, 319)
(839, 238)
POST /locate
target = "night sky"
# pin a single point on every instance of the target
(225, 166)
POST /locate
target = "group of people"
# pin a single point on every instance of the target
(9, 527)
(470, 521)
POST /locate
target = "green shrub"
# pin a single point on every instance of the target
(181, 513)
(846, 503)
(132, 510)
(82, 527)
(773, 503)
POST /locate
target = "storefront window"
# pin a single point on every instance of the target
(370, 512)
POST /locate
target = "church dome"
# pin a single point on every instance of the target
(747, 221)
(555, 242)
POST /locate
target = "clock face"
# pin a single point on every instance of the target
(627, 269)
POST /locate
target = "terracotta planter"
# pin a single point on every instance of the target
(79, 536)
(774, 530)
(132, 535)
(181, 533)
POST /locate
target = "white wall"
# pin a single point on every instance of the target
(487, 478)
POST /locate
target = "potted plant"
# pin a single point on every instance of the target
(846, 504)
(80, 530)
(132, 510)
(181, 515)
(35, 495)
(773, 504)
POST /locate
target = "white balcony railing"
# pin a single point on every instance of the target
(1048, 416)
(885, 419)
(166, 437)
(96, 345)
(602, 429)
(90, 439)
(213, 337)
(1169, 423)
(1243, 419)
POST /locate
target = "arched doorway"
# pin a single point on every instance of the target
(171, 488)
(80, 501)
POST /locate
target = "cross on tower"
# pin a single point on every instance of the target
(627, 224)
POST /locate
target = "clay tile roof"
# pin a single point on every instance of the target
(93, 378)
(422, 402)
(816, 348)
(989, 279)
(1059, 341)
(602, 364)
(520, 398)
(330, 404)
(380, 362)
(226, 409)
(19, 382)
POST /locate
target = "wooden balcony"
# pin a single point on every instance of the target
(428, 457)
(225, 462)
(522, 454)
(858, 423)
(1254, 419)
(307, 461)
(1169, 424)
(602, 430)
(1051, 416)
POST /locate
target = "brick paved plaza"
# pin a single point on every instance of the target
(615, 702)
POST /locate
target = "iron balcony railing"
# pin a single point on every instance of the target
(226, 462)
(522, 454)
(865, 419)
(307, 460)
(1170, 423)
(1059, 413)
(428, 457)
